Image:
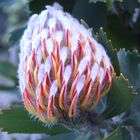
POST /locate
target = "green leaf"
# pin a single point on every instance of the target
(119, 98)
(90, 13)
(130, 67)
(8, 70)
(115, 135)
(37, 6)
(16, 120)
(16, 35)
(112, 53)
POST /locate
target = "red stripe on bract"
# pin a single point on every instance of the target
(92, 45)
(56, 52)
(62, 96)
(36, 74)
(33, 58)
(75, 63)
(41, 114)
(59, 74)
(41, 97)
(74, 85)
(87, 73)
(87, 92)
(97, 97)
(30, 78)
(72, 109)
(29, 104)
(54, 64)
(108, 80)
(49, 108)
(47, 80)
(81, 51)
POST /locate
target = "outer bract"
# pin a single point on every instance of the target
(63, 71)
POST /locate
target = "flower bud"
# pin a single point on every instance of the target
(63, 70)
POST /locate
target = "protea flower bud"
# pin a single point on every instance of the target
(63, 71)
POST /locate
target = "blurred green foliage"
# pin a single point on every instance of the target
(121, 22)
